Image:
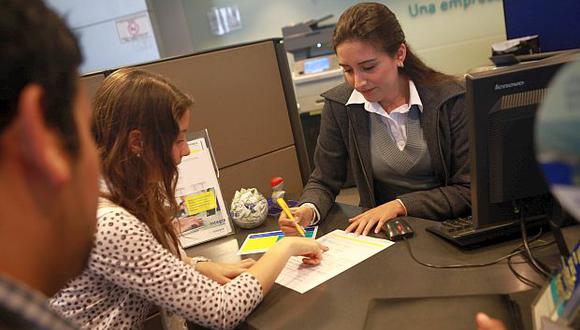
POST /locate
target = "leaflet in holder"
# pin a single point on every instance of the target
(202, 213)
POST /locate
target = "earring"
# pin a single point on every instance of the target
(138, 155)
(401, 64)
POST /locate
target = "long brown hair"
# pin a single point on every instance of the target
(376, 24)
(128, 100)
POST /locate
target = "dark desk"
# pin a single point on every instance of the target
(342, 302)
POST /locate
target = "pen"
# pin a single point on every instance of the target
(290, 216)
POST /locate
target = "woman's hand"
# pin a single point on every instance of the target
(364, 222)
(304, 215)
(223, 272)
(267, 269)
(310, 249)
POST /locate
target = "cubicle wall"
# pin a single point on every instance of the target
(244, 97)
(91, 82)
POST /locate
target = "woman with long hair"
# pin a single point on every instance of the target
(140, 126)
(399, 124)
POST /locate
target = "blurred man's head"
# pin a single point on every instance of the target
(48, 161)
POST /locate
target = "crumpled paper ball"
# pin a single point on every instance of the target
(249, 208)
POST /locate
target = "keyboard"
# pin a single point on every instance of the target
(464, 231)
(459, 226)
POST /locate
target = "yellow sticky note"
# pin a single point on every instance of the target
(194, 151)
(200, 202)
(260, 244)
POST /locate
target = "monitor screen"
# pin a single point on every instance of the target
(556, 22)
(313, 65)
(501, 104)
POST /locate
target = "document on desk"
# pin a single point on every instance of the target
(344, 251)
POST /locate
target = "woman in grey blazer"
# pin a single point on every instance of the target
(399, 124)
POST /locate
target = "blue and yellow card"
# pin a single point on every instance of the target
(262, 242)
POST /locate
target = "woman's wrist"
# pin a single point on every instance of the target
(311, 215)
(195, 261)
(401, 210)
(288, 246)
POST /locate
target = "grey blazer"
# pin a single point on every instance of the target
(344, 137)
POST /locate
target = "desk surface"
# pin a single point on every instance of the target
(342, 302)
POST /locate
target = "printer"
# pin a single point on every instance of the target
(315, 67)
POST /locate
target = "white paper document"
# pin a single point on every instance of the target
(344, 251)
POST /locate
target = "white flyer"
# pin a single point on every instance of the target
(202, 212)
(344, 251)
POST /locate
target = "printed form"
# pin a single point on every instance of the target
(344, 251)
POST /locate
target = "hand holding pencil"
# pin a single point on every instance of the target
(292, 221)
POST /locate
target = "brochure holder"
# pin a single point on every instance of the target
(202, 212)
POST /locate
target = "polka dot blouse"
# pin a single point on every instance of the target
(129, 272)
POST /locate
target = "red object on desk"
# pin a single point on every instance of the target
(276, 181)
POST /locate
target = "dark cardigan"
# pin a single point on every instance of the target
(345, 135)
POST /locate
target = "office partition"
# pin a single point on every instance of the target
(92, 82)
(244, 97)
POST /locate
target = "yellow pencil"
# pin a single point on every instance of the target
(290, 216)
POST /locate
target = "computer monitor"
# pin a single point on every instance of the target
(556, 22)
(506, 181)
(505, 176)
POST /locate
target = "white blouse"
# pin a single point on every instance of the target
(129, 272)
(396, 120)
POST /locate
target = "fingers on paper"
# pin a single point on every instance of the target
(312, 258)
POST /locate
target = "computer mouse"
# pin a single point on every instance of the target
(397, 229)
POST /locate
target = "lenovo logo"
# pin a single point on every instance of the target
(509, 85)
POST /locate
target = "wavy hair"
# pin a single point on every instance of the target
(143, 184)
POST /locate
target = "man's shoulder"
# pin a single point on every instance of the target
(24, 308)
